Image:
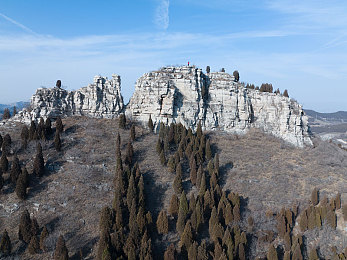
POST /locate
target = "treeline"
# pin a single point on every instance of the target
(267, 87)
(126, 227)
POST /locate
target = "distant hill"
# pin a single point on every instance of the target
(340, 116)
(19, 105)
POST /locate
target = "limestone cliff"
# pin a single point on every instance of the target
(100, 99)
(187, 95)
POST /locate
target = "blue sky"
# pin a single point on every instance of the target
(296, 45)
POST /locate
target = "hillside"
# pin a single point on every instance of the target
(267, 173)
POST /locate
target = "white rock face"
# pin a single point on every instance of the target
(186, 95)
(100, 99)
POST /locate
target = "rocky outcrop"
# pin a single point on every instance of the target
(100, 99)
(186, 95)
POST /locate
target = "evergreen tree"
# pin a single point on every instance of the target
(1, 140)
(43, 236)
(6, 114)
(177, 184)
(14, 111)
(131, 192)
(132, 133)
(313, 254)
(6, 144)
(25, 136)
(39, 163)
(272, 253)
(202, 184)
(199, 131)
(141, 192)
(208, 151)
(285, 93)
(59, 125)
(33, 246)
(150, 123)
(174, 205)
(236, 75)
(208, 69)
(5, 244)
(162, 158)
(41, 129)
(184, 203)
(162, 223)
(21, 186)
(32, 131)
(24, 232)
(314, 197)
(48, 126)
(170, 253)
(187, 236)
(106, 219)
(122, 121)
(61, 252)
(4, 163)
(57, 141)
(193, 173)
(15, 170)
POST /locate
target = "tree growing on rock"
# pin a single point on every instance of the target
(208, 69)
(285, 93)
(236, 76)
(58, 84)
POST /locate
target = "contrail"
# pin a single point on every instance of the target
(18, 24)
(162, 14)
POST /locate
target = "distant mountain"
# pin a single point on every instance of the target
(340, 116)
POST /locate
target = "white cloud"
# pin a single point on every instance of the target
(162, 18)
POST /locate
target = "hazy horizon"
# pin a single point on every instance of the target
(295, 45)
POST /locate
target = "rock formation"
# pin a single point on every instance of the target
(183, 95)
(186, 95)
(100, 99)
